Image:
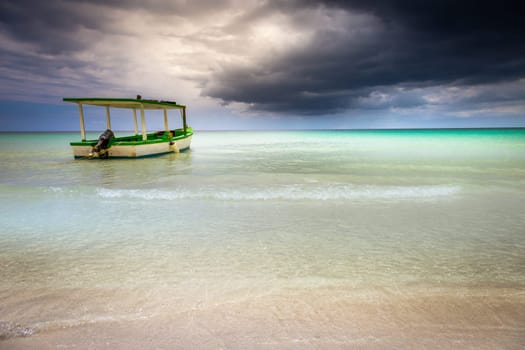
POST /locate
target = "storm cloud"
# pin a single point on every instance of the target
(283, 57)
(359, 49)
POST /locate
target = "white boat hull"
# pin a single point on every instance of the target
(135, 151)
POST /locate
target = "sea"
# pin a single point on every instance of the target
(330, 239)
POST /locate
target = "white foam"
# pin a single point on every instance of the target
(289, 192)
(10, 330)
(55, 189)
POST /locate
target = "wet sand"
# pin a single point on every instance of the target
(320, 319)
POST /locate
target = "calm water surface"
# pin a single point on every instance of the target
(324, 237)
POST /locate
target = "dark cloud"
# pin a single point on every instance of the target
(49, 25)
(416, 43)
(53, 25)
(354, 54)
(50, 44)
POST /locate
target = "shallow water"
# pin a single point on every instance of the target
(267, 238)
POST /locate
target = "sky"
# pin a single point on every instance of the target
(250, 64)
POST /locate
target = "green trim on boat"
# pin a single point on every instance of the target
(134, 140)
(126, 103)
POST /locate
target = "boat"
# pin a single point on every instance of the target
(139, 144)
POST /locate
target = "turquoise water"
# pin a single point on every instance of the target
(252, 223)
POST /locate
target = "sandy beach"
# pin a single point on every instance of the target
(321, 319)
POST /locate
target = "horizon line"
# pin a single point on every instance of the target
(277, 130)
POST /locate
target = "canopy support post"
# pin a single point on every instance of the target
(108, 118)
(143, 120)
(166, 127)
(135, 124)
(82, 125)
(184, 119)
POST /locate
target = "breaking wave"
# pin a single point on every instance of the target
(289, 192)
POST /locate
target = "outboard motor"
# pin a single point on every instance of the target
(100, 150)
